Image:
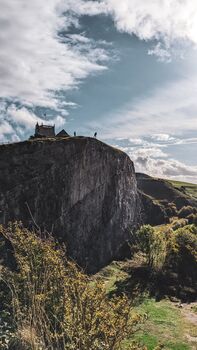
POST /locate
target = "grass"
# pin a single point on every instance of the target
(111, 274)
(190, 189)
(165, 325)
(194, 309)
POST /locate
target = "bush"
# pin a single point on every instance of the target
(179, 223)
(55, 305)
(184, 250)
(153, 245)
(182, 256)
(171, 209)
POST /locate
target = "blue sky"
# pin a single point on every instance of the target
(124, 69)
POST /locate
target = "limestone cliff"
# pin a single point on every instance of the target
(80, 189)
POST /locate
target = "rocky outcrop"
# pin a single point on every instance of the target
(80, 189)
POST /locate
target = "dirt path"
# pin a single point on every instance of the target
(188, 313)
(190, 316)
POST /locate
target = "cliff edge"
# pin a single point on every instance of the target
(80, 189)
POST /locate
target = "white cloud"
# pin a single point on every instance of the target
(22, 117)
(148, 152)
(34, 61)
(162, 137)
(150, 159)
(156, 163)
(186, 141)
(7, 132)
(172, 23)
(161, 52)
(166, 168)
(5, 128)
(136, 141)
(168, 21)
(86, 7)
(37, 63)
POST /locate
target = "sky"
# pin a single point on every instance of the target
(124, 69)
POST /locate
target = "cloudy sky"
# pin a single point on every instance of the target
(126, 69)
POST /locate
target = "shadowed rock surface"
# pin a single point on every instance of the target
(80, 189)
(153, 213)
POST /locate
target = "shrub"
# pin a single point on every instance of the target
(153, 245)
(6, 330)
(182, 253)
(55, 305)
(185, 241)
(171, 209)
(179, 223)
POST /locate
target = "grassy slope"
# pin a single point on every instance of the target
(162, 189)
(190, 189)
(166, 323)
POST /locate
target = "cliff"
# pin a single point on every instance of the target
(80, 189)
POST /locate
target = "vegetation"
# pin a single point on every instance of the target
(182, 254)
(163, 269)
(166, 324)
(166, 200)
(188, 188)
(153, 245)
(49, 303)
(171, 253)
(54, 305)
(185, 211)
(178, 223)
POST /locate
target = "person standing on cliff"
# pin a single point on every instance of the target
(95, 135)
(75, 134)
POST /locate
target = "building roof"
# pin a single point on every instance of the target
(62, 133)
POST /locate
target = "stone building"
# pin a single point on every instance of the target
(44, 131)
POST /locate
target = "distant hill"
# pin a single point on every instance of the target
(187, 188)
(163, 199)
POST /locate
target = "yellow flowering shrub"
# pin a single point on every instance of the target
(56, 305)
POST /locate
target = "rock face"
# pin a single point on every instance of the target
(80, 189)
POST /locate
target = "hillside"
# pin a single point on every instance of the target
(162, 199)
(187, 188)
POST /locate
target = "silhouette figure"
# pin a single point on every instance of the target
(95, 134)
(75, 133)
